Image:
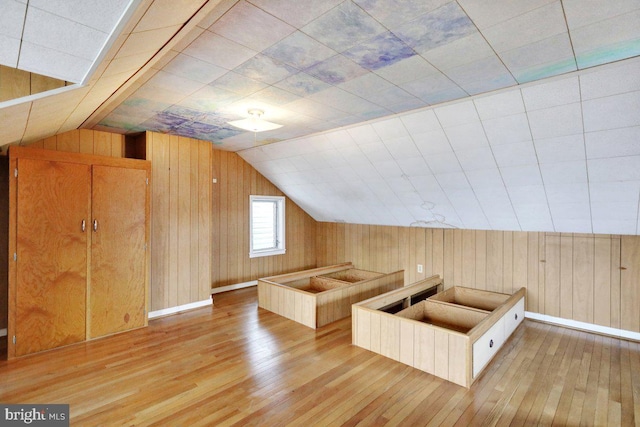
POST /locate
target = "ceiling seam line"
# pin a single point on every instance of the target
(484, 131)
(584, 147)
(566, 23)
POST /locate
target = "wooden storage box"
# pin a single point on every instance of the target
(323, 295)
(453, 334)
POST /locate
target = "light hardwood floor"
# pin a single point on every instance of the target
(235, 364)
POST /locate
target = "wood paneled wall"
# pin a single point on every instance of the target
(230, 262)
(4, 240)
(85, 141)
(180, 219)
(200, 229)
(16, 83)
(584, 277)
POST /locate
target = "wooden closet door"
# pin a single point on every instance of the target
(117, 293)
(53, 198)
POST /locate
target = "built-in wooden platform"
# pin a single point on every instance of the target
(234, 364)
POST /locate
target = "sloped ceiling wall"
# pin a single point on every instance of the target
(558, 155)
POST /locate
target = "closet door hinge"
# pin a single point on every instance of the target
(145, 246)
(147, 181)
(15, 172)
(15, 256)
(14, 339)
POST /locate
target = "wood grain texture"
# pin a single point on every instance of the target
(16, 83)
(572, 276)
(55, 177)
(231, 364)
(117, 295)
(330, 301)
(50, 301)
(4, 240)
(85, 141)
(438, 336)
(230, 262)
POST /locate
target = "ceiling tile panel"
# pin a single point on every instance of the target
(499, 105)
(519, 176)
(560, 149)
(456, 114)
(445, 162)
(9, 51)
(53, 32)
(460, 52)
(407, 70)
(612, 112)
(215, 49)
(52, 63)
(517, 154)
(487, 13)
(507, 130)
(344, 27)
(396, 12)
(608, 40)
(541, 59)
(297, 13)
(266, 29)
(484, 179)
(552, 94)
(564, 172)
(613, 143)
(476, 158)
(556, 121)
(527, 194)
(434, 142)
(614, 191)
(467, 136)
(567, 193)
(433, 29)
(12, 19)
(527, 28)
(614, 169)
(617, 79)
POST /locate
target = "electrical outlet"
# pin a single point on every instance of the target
(419, 268)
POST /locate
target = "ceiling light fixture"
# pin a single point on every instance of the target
(255, 123)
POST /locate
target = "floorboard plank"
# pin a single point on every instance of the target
(233, 364)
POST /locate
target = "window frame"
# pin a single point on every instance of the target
(280, 248)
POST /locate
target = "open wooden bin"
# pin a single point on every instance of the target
(453, 334)
(323, 295)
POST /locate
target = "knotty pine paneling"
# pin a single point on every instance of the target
(584, 277)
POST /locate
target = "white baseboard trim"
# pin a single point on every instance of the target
(234, 287)
(3, 332)
(178, 309)
(589, 327)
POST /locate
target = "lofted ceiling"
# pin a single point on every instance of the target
(483, 114)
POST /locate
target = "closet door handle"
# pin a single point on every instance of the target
(95, 225)
(84, 225)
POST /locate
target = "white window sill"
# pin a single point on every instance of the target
(267, 253)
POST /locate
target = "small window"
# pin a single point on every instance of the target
(266, 232)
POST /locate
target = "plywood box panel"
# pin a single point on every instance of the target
(277, 293)
(439, 336)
